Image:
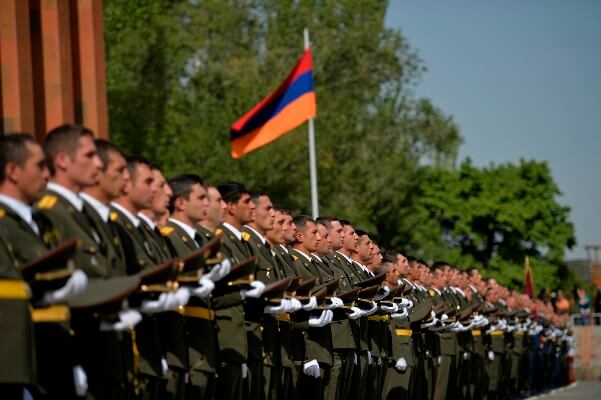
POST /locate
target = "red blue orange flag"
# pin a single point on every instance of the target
(291, 104)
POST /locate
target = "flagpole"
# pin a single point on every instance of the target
(312, 158)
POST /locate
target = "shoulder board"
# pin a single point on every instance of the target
(218, 231)
(166, 230)
(113, 216)
(47, 201)
(432, 293)
(245, 236)
(294, 257)
(2, 212)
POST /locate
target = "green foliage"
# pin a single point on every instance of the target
(180, 72)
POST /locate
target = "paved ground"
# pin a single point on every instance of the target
(582, 390)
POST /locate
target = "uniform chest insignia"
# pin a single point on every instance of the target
(294, 257)
(432, 293)
(113, 216)
(245, 236)
(129, 227)
(166, 230)
(184, 238)
(218, 231)
(2, 212)
(207, 235)
(47, 201)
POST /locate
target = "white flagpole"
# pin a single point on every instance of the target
(312, 159)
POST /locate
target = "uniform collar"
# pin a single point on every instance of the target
(147, 220)
(235, 231)
(21, 209)
(284, 248)
(261, 237)
(304, 255)
(190, 231)
(132, 218)
(70, 196)
(317, 257)
(102, 209)
(348, 259)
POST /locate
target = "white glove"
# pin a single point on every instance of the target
(373, 309)
(491, 355)
(27, 394)
(311, 305)
(128, 318)
(400, 315)
(166, 302)
(379, 360)
(400, 365)
(295, 305)
(466, 355)
(165, 366)
(321, 321)
(281, 308)
(244, 370)
(257, 290)
(406, 303)
(204, 288)
(430, 324)
(81, 380)
(311, 368)
(181, 296)
(444, 317)
(219, 271)
(356, 313)
(369, 360)
(76, 284)
(334, 302)
(382, 293)
(439, 359)
(390, 309)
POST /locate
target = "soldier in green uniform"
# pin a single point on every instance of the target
(215, 214)
(232, 367)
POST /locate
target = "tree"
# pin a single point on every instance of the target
(494, 217)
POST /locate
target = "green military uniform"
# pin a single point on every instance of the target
(197, 348)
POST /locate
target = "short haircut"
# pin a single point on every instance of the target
(103, 148)
(360, 233)
(326, 221)
(256, 195)
(181, 185)
(281, 209)
(65, 139)
(13, 148)
(345, 222)
(391, 256)
(133, 162)
(439, 265)
(301, 221)
(471, 270)
(231, 192)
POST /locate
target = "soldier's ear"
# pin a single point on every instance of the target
(178, 205)
(12, 171)
(61, 161)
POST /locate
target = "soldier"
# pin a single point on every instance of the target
(215, 214)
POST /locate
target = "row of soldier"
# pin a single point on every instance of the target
(118, 284)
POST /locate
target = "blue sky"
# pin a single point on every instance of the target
(522, 79)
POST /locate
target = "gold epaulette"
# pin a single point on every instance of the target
(245, 236)
(166, 230)
(47, 201)
(218, 231)
(294, 257)
(2, 212)
(432, 293)
(113, 216)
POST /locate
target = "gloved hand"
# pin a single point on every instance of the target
(491, 355)
(311, 305)
(382, 293)
(244, 370)
(369, 360)
(373, 309)
(204, 288)
(128, 318)
(321, 321)
(295, 305)
(181, 296)
(444, 317)
(257, 290)
(80, 379)
(334, 302)
(430, 325)
(76, 284)
(406, 303)
(356, 313)
(165, 302)
(311, 368)
(281, 308)
(164, 366)
(390, 309)
(219, 271)
(400, 365)
(400, 315)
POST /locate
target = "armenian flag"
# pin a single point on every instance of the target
(291, 104)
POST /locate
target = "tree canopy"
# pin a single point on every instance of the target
(180, 72)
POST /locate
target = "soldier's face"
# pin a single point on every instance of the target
(276, 235)
(163, 193)
(84, 166)
(364, 249)
(310, 237)
(216, 210)
(376, 256)
(197, 204)
(350, 239)
(143, 191)
(393, 273)
(264, 214)
(32, 176)
(289, 229)
(325, 245)
(244, 209)
(402, 264)
(112, 179)
(336, 235)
